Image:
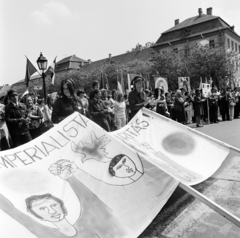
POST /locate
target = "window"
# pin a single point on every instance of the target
(236, 47)
(232, 45)
(175, 50)
(228, 42)
(211, 44)
(164, 52)
(239, 48)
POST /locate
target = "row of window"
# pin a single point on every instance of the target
(233, 45)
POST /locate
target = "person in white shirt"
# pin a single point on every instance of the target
(120, 111)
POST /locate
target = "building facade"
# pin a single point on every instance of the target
(200, 29)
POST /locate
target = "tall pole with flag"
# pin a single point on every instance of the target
(119, 86)
(51, 70)
(30, 70)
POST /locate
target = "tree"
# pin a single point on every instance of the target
(207, 62)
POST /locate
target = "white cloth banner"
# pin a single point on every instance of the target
(79, 181)
(181, 151)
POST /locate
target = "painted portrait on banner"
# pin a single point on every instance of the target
(77, 180)
(161, 82)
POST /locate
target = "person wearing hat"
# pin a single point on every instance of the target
(17, 120)
(137, 97)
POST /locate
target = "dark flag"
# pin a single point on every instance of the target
(51, 70)
(30, 70)
(104, 81)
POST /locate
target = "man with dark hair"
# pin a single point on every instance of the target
(98, 110)
(95, 85)
(137, 97)
(17, 120)
(55, 211)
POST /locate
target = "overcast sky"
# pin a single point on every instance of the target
(90, 29)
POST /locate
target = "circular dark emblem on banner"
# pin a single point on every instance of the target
(179, 143)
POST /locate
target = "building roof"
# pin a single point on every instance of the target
(123, 58)
(72, 58)
(193, 27)
(192, 21)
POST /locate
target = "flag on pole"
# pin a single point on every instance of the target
(129, 82)
(200, 85)
(26, 92)
(122, 83)
(30, 70)
(147, 81)
(119, 86)
(51, 70)
(104, 81)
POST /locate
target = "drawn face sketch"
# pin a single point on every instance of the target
(49, 209)
(122, 167)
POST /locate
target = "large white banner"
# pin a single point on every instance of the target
(184, 153)
(77, 180)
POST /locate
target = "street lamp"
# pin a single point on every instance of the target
(42, 65)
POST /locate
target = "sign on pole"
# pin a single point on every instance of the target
(206, 89)
(184, 82)
(161, 82)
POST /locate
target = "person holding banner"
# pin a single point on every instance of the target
(137, 97)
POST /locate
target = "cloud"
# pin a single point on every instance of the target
(52, 10)
(41, 17)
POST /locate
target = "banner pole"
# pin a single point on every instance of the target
(220, 210)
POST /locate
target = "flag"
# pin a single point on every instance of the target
(122, 83)
(51, 70)
(200, 85)
(129, 82)
(30, 70)
(104, 81)
(119, 86)
(26, 92)
(130, 78)
(147, 82)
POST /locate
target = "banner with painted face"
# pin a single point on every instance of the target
(78, 180)
(185, 153)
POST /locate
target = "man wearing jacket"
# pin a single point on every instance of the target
(17, 120)
(98, 110)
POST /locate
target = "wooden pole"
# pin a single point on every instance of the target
(220, 210)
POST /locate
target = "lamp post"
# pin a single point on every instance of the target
(42, 65)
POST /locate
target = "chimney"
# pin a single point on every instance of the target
(209, 11)
(200, 12)
(89, 61)
(110, 56)
(176, 22)
(140, 47)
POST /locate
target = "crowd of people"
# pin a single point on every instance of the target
(24, 119)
